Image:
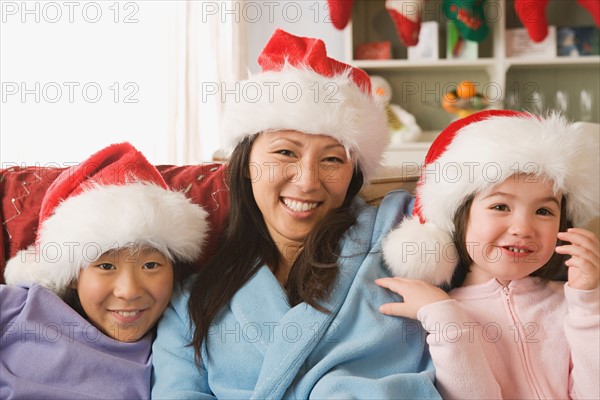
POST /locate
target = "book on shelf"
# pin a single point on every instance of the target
(576, 41)
(374, 51)
(520, 45)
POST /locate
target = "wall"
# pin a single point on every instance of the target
(77, 76)
(302, 18)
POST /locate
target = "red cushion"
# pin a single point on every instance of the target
(22, 191)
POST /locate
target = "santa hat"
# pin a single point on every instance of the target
(472, 155)
(302, 89)
(112, 200)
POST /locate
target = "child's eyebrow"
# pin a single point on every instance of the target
(552, 199)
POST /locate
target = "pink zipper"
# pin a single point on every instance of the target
(520, 332)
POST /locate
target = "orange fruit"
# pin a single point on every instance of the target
(466, 90)
(449, 101)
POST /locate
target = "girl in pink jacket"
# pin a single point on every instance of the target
(499, 207)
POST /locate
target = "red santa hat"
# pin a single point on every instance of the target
(112, 200)
(472, 155)
(300, 88)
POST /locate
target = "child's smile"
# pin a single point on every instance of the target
(124, 292)
(512, 229)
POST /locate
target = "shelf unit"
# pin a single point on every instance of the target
(515, 83)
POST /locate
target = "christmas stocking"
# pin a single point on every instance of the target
(468, 16)
(593, 6)
(406, 15)
(532, 14)
(340, 12)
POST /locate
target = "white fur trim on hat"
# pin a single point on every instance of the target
(305, 101)
(480, 155)
(488, 152)
(104, 218)
(420, 251)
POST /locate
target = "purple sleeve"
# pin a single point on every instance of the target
(12, 301)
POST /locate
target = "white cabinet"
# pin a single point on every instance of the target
(570, 84)
(409, 155)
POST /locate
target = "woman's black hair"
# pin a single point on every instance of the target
(246, 245)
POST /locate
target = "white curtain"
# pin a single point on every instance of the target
(207, 49)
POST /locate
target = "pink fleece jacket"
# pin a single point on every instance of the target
(528, 340)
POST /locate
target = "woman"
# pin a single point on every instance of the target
(288, 308)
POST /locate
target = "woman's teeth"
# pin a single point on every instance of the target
(299, 206)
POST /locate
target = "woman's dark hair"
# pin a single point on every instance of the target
(553, 269)
(246, 245)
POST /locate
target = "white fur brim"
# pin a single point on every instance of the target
(489, 151)
(305, 101)
(420, 251)
(104, 218)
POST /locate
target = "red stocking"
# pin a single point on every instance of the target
(593, 7)
(532, 14)
(406, 15)
(340, 12)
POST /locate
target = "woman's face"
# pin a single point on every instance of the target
(297, 179)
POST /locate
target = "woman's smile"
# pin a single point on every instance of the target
(297, 180)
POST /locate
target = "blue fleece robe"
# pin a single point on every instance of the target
(259, 347)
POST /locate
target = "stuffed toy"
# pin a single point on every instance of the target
(402, 124)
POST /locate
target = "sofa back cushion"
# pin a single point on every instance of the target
(23, 188)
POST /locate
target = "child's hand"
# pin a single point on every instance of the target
(416, 294)
(584, 264)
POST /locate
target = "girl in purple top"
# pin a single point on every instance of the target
(77, 315)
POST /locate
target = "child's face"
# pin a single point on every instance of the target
(512, 229)
(125, 292)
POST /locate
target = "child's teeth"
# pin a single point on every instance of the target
(515, 250)
(127, 313)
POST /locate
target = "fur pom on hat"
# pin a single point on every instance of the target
(114, 199)
(300, 88)
(476, 153)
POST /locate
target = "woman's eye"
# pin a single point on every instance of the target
(151, 265)
(544, 211)
(333, 160)
(106, 266)
(287, 153)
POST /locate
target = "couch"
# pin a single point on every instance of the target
(22, 189)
